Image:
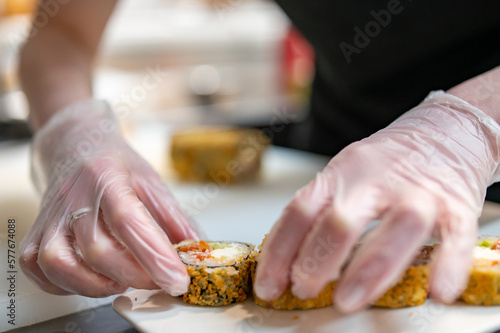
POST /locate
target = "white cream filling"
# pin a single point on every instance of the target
(481, 252)
(227, 256)
(225, 253)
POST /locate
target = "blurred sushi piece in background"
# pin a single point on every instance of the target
(222, 155)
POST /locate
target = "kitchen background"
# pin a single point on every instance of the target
(216, 61)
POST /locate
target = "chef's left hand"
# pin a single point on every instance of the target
(425, 173)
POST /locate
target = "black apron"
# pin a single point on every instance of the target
(377, 59)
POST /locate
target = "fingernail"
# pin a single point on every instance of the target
(113, 289)
(303, 284)
(117, 286)
(448, 298)
(267, 290)
(448, 283)
(350, 298)
(174, 280)
(302, 291)
(180, 286)
(447, 292)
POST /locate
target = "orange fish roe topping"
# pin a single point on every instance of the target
(496, 246)
(202, 255)
(201, 246)
(204, 246)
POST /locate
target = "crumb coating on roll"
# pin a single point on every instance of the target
(484, 283)
(411, 289)
(483, 287)
(219, 285)
(288, 301)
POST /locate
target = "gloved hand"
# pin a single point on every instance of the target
(106, 220)
(425, 173)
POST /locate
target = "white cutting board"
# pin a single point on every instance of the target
(156, 312)
(245, 213)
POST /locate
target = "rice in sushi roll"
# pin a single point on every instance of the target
(219, 271)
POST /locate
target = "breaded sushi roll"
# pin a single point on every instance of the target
(222, 155)
(484, 282)
(288, 301)
(410, 290)
(413, 287)
(219, 271)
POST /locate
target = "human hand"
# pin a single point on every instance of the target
(106, 220)
(424, 174)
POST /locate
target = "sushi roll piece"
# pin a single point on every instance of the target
(221, 155)
(288, 301)
(413, 287)
(219, 271)
(484, 283)
(410, 290)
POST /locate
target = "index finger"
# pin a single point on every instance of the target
(450, 268)
(153, 193)
(285, 238)
(131, 223)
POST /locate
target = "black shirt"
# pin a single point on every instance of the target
(377, 59)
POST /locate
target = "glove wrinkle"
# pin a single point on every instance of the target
(427, 172)
(95, 235)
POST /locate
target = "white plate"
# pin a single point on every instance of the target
(220, 213)
(156, 312)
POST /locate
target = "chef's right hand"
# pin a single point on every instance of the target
(106, 221)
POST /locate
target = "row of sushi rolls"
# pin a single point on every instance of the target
(222, 273)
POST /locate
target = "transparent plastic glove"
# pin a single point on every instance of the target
(426, 172)
(106, 220)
